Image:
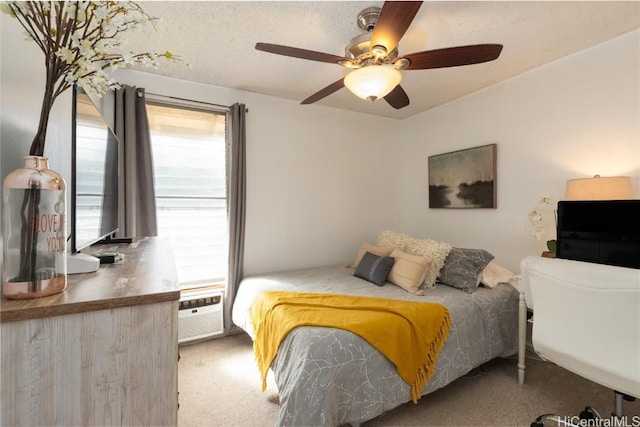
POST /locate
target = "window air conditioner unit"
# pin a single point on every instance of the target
(200, 315)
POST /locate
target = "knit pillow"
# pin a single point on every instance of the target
(434, 250)
(391, 239)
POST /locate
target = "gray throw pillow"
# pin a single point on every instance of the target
(462, 268)
(374, 268)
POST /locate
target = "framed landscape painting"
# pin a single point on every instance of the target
(464, 178)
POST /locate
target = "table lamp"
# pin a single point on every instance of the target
(599, 188)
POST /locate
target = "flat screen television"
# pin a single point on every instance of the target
(94, 182)
(600, 231)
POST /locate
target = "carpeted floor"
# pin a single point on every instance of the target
(219, 385)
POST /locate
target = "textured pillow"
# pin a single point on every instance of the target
(494, 273)
(368, 247)
(462, 268)
(408, 271)
(374, 268)
(436, 251)
(393, 240)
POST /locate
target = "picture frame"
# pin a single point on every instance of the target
(463, 179)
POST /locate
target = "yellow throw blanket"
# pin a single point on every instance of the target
(409, 334)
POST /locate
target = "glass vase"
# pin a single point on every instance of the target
(35, 243)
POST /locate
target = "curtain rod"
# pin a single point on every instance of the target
(187, 100)
(227, 107)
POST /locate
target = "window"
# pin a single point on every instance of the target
(190, 171)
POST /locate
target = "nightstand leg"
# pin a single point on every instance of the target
(522, 336)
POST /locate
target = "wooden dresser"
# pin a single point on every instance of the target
(104, 352)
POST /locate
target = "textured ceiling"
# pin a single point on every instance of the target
(218, 39)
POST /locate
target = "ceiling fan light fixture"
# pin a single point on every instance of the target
(379, 51)
(373, 81)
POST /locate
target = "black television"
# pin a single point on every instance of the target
(94, 182)
(600, 231)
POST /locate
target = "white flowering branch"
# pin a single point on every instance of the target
(79, 41)
(536, 217)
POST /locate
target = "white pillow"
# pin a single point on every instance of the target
(494, 273)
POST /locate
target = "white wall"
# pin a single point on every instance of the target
(573, 118)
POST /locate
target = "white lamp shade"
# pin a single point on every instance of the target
(373, 81)
(599, 188)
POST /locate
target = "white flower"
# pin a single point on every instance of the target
(536, 217)
(87, 36)
(127, 59)
(147, 61)
(101, 12)
(66, 54)
(93, 32)
(86, 48)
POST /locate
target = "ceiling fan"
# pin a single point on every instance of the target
(374, 56)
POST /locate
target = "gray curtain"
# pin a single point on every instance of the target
(137, 210)
(237, 205)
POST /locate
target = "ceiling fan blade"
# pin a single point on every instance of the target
(453, 56)
(397, 98)
(300, 53)
(395, 17)
(333, 87)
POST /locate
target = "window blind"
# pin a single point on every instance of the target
(189, 154)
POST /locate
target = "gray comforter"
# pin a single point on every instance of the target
(328, 377)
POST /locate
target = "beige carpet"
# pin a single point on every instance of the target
(219, 385)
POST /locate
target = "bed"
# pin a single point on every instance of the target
(331, 377)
